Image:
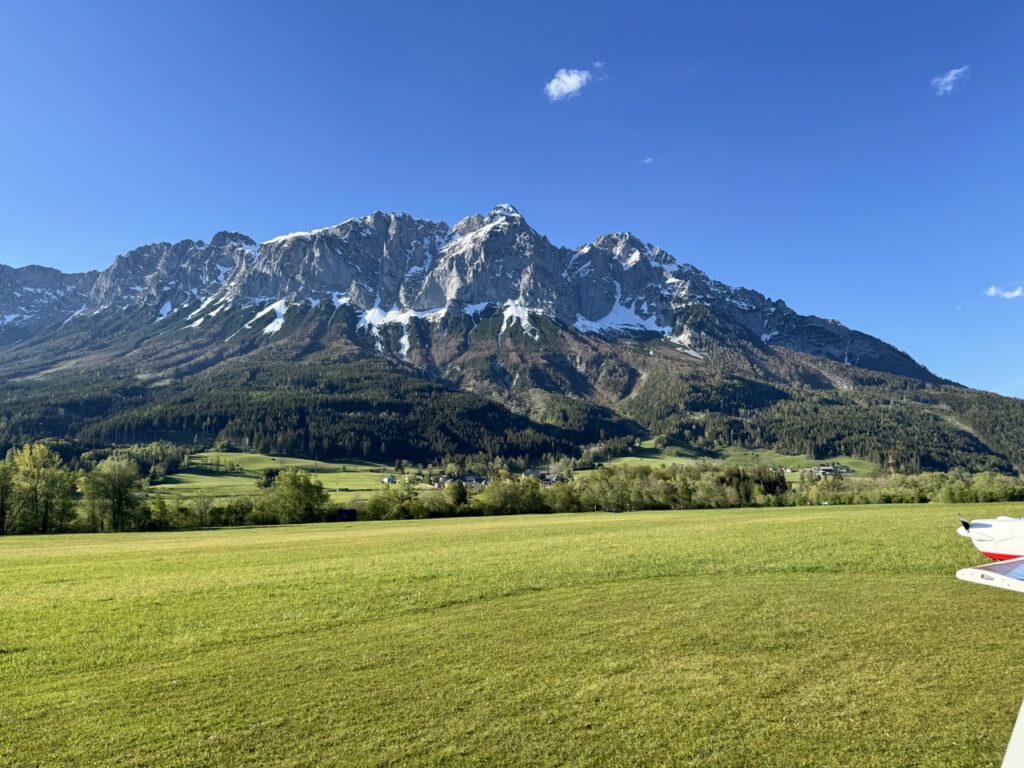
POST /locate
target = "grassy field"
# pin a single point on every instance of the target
(749, 458)
(791, 637)
(208, 475)
(647, 453)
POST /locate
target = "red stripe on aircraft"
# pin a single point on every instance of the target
(999, 556)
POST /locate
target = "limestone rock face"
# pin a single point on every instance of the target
(181, 274)
(36, 297)
(389, 268)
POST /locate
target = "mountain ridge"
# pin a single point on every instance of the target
(389, 337)
(392, 268)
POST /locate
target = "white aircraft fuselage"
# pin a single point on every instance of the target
(1001, 538)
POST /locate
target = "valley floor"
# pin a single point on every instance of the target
(226, 475)
(792, 637)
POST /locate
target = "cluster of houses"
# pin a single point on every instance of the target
(470, 481)
(822, 470)
(476, 481)
(544, 478)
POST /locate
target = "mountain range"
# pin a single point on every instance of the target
(392, 337)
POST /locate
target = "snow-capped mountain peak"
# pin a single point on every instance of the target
(393, 269)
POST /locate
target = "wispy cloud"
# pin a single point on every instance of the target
(567, 83)
(647, 160)
(1014, 293)
(944, 84)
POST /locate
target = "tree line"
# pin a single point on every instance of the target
(690, 486)
(40, 493)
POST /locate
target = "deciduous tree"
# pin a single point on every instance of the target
(7, 518)
(43, 489)
(114, 491)
(297, 497)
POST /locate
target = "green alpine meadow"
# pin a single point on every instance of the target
(771, 637)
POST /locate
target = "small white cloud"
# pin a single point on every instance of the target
(567, 83)
(1015, 293)
(943, 84)
(647, 160)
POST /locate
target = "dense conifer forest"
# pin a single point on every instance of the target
(382, 411)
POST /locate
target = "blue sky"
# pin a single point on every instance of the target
(803, 149)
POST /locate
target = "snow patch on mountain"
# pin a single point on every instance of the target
(275, 325)
(516, 310)
(201, 307)
(403, 343)
(621, 317)
(279, 308)
(375, 316)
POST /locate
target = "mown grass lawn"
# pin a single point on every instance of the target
(793, 637)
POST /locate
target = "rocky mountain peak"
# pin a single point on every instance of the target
(225, 238)
(502, 218)
(391, 268)
(630, 250)
(505, 209)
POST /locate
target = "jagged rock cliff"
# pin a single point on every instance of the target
(392, 269)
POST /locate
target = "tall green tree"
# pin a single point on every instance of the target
(43, 489)
(8, 521)
(114, 491)
(297, 497)
(456, 493)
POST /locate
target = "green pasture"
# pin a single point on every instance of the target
(752, 457)
(647, 453)
(209, 475)
(756, 637)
